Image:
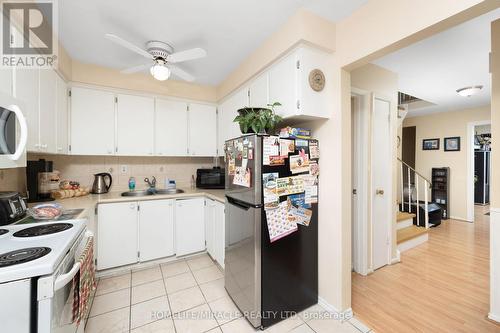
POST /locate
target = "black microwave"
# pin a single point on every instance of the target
(210, 178)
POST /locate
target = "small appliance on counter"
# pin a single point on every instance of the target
(39, 175)
(12, 207)
(210, 178)
(100, 186)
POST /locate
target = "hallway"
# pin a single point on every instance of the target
(440, 286)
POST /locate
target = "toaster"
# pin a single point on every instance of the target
(12, 207)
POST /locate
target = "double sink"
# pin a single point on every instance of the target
(148, 192)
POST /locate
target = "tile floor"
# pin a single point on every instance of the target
(186, 296)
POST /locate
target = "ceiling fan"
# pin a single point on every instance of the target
(162, 58)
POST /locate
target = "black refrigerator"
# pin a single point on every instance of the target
(269, 279)
(482, 177)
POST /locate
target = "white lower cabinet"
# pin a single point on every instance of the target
(116, 234)
(189, 226)
(215, 230)
(156, 229)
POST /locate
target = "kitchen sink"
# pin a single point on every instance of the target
(149, 192)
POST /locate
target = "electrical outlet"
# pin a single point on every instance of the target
(124, 169)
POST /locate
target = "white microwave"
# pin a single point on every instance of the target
(13, 133)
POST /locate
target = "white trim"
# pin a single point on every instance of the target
(494, 317)
(342, 315)
(461, 219)
(359, 325)
(470, 167)
(397, 259)
(411, 243)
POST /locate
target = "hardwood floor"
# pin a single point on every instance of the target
(439, 286)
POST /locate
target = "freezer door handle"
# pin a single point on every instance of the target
(241, 204)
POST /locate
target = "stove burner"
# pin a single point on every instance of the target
(22, 255)
(41, 230)
(3, 231)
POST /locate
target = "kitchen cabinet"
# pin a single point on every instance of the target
(117, 234)
(92, 122)
(189, 226)
(215, 230)
(156, 229)
(202, 134)
(6, 81)
(282, 86)
(61, 116)
(134, 125)
(171, 128)
(47, 111)
(27, 91)
(258, 91)
(228, 110)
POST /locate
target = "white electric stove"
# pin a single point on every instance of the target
(37, 264)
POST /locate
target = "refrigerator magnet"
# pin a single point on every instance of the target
(299, 163)
(277, 160)
(250, 153)
(313, 149)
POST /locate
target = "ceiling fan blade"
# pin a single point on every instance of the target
(128, 45)
(136, 69)
(187, 55)
(182, 74)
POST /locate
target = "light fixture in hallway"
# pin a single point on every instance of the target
(469, 91)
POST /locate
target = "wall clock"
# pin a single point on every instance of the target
(317, 80)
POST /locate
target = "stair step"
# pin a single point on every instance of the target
(410, 232)
(405, 216)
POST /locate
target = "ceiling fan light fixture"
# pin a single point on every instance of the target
(160, 72)
(469, 91)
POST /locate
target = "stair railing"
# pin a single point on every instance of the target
(418, 178)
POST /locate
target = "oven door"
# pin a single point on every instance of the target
(13, 134)
(55, 315)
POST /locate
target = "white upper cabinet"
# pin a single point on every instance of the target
(6, 81)
(171, 128)
(228, 110)
(92, 122)
(202, 130)
(27, 91)
(47, 112)
(283, 86)
(259, 91)
(134, 125)
(61, 116)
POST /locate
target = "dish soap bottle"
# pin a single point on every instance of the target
(193, 182)
(131, 184)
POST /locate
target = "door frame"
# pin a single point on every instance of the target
(470, 166)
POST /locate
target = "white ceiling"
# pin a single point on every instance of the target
(228, 29)
(433, 69)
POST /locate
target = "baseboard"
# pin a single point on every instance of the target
(397, 259)
(340, 315)
(460, 219)
(494, 317)
(409, 244)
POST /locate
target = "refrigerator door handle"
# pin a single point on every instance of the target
(241, 204)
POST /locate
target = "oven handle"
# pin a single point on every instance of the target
(62, 280)
(24, 132)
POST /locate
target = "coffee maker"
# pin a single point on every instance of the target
(37, 174)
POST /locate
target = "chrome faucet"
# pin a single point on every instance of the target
(152, 183)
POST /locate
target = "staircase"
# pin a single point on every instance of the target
(414, 194)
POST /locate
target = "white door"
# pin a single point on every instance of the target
(156, 229)
(219, 233)
(134, 125)
(381, 182)
(26, 90)
(228, 110)
(92, 122)
(210, 227)
(202, 130)
(259, 92)
(48, 91)
(283, 86)
(171, 128)
(116, 234)
(61, 116)
(189, 226)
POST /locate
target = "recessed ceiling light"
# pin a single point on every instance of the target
(469, 91)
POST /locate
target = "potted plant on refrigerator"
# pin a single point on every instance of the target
(258, 120)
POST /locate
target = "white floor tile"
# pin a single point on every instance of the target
(165, 325)
(215, 330)
(207, 274)
(238, 326)
(286, 325)
(213, 290)
(147, 291)
(115, 283)
(110, 301)
(179, 282)
(146, 275)
(149, 311)
(302, 329)
(112, 322)
(175, 268)
(359, 325)
(196, 320)
(186, 299)
(200, 262)
(331, 326)
(224, 310)
(314, 312)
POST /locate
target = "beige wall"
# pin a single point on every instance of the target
(441, 125)
(495, 113)
(13, 180)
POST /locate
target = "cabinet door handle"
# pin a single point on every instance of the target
(132, 206)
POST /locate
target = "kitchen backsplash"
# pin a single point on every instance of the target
(83, 168)
(13, 180)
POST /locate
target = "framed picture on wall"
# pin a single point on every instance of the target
(452, 144)
(430, 144)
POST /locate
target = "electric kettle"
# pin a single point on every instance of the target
(100, 185)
